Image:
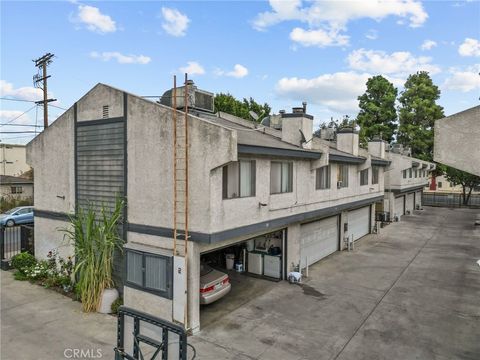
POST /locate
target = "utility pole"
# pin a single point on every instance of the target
(41, 63)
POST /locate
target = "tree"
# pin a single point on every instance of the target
(418, 111)
(467, 180)
(377, 116)
(229, 104)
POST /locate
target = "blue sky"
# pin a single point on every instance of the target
(279, 52)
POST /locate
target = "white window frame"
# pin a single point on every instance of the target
(286, 184)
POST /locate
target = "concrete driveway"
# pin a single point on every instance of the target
(412, 292)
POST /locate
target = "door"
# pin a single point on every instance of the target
(399, 206)
(410, 203)
(359, 222)
(318, 240)
(418, 199)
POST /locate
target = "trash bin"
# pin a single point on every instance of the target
(230, 261)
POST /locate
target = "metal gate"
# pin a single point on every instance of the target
(13, 241)
(142, 336)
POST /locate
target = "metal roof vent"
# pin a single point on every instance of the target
(105, 111)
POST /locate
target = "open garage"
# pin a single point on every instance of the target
(399, 206)
(232, 275)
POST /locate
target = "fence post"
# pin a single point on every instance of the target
(23, 238)
(2, 243)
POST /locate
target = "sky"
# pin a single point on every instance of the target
(278, 52)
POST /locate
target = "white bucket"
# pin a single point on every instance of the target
(230, 260)
(239, 267)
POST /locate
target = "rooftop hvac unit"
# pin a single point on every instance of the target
(397, 148)
(197, 99)
(327, 134)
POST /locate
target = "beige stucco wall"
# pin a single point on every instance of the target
(13, 159)
(48, 236)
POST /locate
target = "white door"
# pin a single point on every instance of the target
(399, 206)
(318, 239)
(409, 205)
(359, 222)
(418, 199)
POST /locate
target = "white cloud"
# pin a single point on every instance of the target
(174, 22)
(400, 62)
(333, 16)
(338, 91)
(121, 58)
(239, 71)
(463, 80)
(428, 45)
(94, 20)
(318, 37)
(470, 47)
(23, 93)
(193, 68)
(372, 34)
(8, 115)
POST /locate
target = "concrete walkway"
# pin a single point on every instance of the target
(411, 292)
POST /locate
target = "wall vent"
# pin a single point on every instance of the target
(105, 112)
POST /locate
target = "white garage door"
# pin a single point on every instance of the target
(318, 239)
(399, 206)
(409, 204)
(358, 222)
(418, 199)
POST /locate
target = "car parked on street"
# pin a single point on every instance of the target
(17, 216)
(214, 284)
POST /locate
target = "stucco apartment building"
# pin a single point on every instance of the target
(251, 188)
(405, 181)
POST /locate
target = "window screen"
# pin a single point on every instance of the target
(135, 268)
(155, 273)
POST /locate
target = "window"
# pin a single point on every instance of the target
(410, 173)
(342, 176)
(439, 184)
(281, 177)
(364, 177)
(322, 179)
(16, 189)
(375, 171)
(416, 173)
(404, 174)
(239, 179)
(451, 184)
(149, 272)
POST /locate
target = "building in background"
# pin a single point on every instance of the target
(457, 141)
(14, 188)
(13, 159)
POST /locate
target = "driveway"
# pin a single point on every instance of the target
(411, 292)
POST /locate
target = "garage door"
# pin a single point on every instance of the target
(410, 203)
(399, 206)
(418, 199)
(359, 222)
(318, 239)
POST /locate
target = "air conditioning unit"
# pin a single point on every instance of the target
(339, 184)
(197, 99)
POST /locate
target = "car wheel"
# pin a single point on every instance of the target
(10, 223)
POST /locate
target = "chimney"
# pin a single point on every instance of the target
(376, 147)
(297, 127)
(347, 141)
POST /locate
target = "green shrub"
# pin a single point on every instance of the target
(22, 261)
(18, 275)
(40, 271)
(116, 304)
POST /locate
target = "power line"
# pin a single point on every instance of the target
(31, 125)
(58, 107)
(17, 132)
(17, 137)
(10, 99)
(15, 118)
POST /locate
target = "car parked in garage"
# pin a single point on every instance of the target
(214, 284)
(17, 216)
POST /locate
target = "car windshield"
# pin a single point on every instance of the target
(11, 211)
(205, 269)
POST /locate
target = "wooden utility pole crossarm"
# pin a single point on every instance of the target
(42, 63)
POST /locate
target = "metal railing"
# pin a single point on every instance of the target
(14, 240)
(140, 335)
(449, 200)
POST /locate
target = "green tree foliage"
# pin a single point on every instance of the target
(467, 180)
(229, 104)
(377, 116)
(417, 112)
